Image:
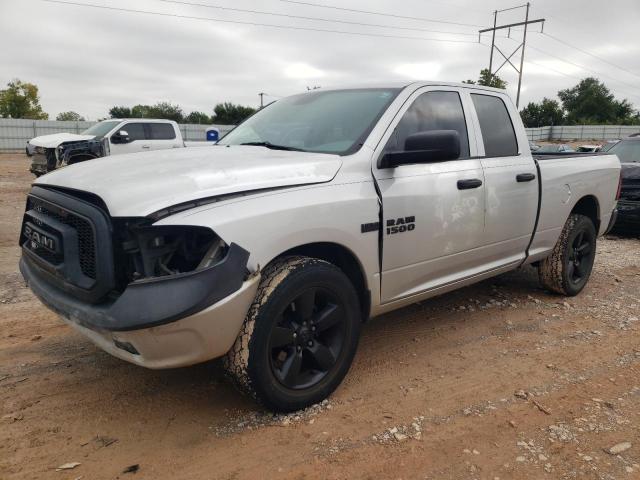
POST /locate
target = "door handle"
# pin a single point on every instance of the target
(525, 177)
(469, 184)
(146, 146)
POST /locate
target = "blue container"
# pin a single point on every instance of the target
(213, 135)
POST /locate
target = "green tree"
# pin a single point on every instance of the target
(70, 116)
(230, 114)
(120, 112)
(488, 80)
(547, 112)
(591, 102)
(164, 110)
(20, 100)
(198, 117)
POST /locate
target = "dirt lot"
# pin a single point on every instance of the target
(499, 380)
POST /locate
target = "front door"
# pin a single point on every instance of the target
(138, 139)
(433, 213)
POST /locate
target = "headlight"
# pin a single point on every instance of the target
(150, 251)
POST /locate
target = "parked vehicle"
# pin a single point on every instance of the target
(608, 145)
(533, 146)
(628, 151)
(555, 148)
(320, 211)
(109, 137)
(588, 148)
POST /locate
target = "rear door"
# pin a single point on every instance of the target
(430, 226)
(510, 177)
(162, 135)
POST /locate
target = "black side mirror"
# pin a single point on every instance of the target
(425, 147)
(122, 136)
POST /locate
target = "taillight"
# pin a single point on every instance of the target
(619, 187)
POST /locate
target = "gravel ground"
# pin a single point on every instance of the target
(500, 380)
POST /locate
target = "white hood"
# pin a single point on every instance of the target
(135, 185)
(55, 139)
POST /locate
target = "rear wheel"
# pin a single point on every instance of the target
(300, 334)
(568, 268)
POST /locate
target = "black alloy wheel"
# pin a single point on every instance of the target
(308, 338)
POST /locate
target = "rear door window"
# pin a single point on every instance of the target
(162, 131)
(498, 134)
(431, 111)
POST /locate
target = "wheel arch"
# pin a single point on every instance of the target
(343, 258)
(589, 207)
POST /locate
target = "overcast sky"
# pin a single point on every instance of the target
(88, 59)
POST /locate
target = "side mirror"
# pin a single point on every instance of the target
(121, 137)
(425, 147)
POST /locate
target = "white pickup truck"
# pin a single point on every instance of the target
(322, 210)
(109, 137)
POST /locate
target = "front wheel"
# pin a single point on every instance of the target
(300, 334)
(568, 268)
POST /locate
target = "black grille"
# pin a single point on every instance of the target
(86, 240)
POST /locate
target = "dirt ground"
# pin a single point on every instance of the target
(496, 381)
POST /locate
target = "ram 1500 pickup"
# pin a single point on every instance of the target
(322, 210)
(109, 137)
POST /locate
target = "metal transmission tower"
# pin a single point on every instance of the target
(507, 59)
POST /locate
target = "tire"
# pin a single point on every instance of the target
(567, 270)
(299, 337)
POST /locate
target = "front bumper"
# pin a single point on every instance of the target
(165, 322)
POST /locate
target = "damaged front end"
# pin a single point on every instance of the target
(45, 159)
(121, 274)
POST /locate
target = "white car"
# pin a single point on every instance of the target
(320, 211)
(109, 137)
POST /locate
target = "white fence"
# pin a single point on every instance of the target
(582, 132)
(14, 132)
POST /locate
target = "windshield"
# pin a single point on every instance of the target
(101, 129)
(628, 151)
(335, 121)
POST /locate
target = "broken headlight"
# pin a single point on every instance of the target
(147, 251)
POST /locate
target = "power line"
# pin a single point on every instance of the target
(584, 68)
(255, 24)
(315, 19)
(384, 14)
(586, 52)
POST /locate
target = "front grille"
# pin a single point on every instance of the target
(84, 230)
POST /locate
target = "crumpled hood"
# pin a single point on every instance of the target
(136, 185)
(55, 139)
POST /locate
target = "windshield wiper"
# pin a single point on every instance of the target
(273, 146)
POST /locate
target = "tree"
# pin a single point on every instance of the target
(229, 114)
(591, 102)
(488, 80)
(547, 112)
(21, 100)
(120, 112)
(70, 116)
(164, 110)
(198, 117)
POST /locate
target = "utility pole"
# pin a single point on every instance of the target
(507, 59)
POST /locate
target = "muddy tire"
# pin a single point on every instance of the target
(566, 271)
(299, 337)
